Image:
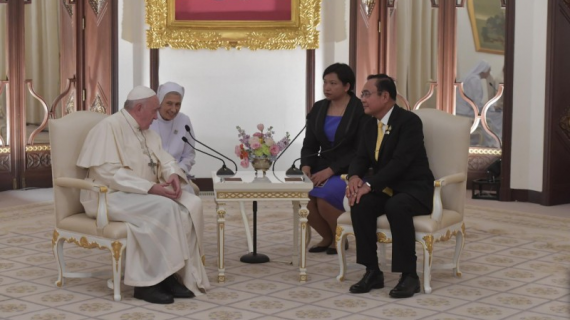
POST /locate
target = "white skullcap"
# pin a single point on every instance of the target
(167, 88)
(140, 92)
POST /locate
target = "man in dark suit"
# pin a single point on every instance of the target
(401, 186)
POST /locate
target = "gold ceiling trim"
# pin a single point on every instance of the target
(4, 150)
(300, 31)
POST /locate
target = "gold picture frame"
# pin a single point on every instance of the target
(488, 21)
(299, 31)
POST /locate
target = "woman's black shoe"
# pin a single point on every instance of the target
(318, 249)
(332, 250)
(153, 294)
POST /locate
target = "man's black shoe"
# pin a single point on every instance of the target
(153, 294)
(373, 279)
(406, 287)
(173, 284)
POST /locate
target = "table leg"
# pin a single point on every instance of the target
(303, 214)
(221, 210)
(246, 226)
(296, 226)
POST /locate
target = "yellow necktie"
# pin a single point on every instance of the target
(386, 190)
(379, 140)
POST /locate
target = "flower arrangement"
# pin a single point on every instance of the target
(259, 145)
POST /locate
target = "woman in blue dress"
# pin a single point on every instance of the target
(333, 127)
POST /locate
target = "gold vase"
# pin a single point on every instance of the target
(262, 164)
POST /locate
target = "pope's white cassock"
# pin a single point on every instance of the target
(164, 236)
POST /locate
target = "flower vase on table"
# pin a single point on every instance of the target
(261, 164)
(259, 148)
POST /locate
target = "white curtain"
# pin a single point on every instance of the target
(416, 55)
(42, 55)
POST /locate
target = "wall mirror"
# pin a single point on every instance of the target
(480, 65)
(412, 52)
(42, 85)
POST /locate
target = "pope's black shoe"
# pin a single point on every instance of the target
(373, 279)
(153, 294)
(173, 284)
(406, 287)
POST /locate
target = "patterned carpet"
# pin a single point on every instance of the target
(515, 266)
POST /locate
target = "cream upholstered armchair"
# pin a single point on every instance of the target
(446, 139)
(72, 225)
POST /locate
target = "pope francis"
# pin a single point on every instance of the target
(164, 223)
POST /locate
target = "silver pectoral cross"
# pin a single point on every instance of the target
(152, 165)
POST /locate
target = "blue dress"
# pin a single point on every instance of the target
(334, 188)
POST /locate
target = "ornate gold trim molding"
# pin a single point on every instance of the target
(97, 6)
(300, 31)
(39, 147)
(54, 237)
(97, 105)
(485, 151)
(117, 246)
(4, 150)
(70, 105)
(369, 6)
(261, 195)
(67, 8)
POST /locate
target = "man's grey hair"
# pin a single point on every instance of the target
(130, 104)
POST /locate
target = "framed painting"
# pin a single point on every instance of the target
(213, 24)
(488, 24)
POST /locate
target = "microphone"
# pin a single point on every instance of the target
(224, 171)
(290, 143)
(187, 127)
(293, 171)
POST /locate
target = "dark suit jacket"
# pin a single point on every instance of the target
(402, 161)
(337, 156)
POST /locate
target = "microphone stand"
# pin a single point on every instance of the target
(293, 171)
(274, 162)
(223, 171)
(187, 127)
(254, 257)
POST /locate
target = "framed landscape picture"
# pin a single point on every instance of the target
(488, 24)
(213, 24)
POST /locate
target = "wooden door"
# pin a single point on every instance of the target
(556, 176)
(364, 55)
(98, 55)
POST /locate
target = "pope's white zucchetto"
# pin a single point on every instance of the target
(167, 88)
(140, 92)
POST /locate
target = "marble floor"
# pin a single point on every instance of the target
(516, 265)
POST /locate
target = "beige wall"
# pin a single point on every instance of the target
(229, 88)
(529, 95)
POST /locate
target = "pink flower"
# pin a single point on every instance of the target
(274, 150)
(260, 127)
(245, 163)
(258, 134)
(255, 145)
(269, 141)
(238, 150)
(253, 140)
